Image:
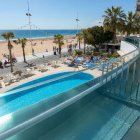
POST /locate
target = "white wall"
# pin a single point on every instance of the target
(127, 47)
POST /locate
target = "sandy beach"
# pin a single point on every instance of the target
(39, 45)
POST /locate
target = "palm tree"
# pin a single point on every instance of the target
(137, 24)
(79, 38)
(85, 36)
(8, 36)
(130, 23)
(114, 18)
(23, 42)
(58, 39)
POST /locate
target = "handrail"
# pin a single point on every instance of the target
(132, 38)
(130, 43)
(55, 109)
(64, 104)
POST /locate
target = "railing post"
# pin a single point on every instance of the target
(127, 76)
(122, 67)
(111, 76)
(116, 76)
(137, 92)
(117, 70)
(128, 69)
(111, 71)
(107, 71)
(102, 73)
(134, 71)
(133, 77)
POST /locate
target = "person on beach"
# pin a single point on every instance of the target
(91, 59)
(33, 52)
(1, 65)
(57, 49)
(75, 46)
(54, 50)
(5, 63)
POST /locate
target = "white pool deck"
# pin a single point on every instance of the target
(63, 68)
(51, 71)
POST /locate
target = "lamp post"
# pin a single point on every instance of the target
(28, 14)
(77, 21)
(100, 23)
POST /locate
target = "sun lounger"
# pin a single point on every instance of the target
(76, 67)
(30, 65)
(7, 80)
(2, 84)
(55, 65)
(88, 65)
(43, 68)
(27, 73)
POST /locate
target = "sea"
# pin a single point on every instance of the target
(38, 33)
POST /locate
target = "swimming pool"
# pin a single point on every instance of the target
(30, 96)
(94, 117)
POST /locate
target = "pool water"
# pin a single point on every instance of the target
(94, 117)
(22, 99)
(41, 80)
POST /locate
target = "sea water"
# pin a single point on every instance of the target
(38, 33)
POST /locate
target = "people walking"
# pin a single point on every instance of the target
(54, 50)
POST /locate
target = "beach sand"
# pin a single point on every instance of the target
(39, 45)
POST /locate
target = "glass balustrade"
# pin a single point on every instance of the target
(113, 80)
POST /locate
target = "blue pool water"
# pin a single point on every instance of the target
(22, 99)
(41, 80)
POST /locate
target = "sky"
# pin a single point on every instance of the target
(57, 14)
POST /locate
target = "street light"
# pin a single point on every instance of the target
(28, 14)
(101, 23)
(77, 20)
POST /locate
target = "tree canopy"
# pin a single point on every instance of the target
(114, 18)
(97, 36)
(58, 39)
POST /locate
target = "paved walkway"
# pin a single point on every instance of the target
(38, 55)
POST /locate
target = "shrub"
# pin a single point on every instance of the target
(89, 53)
(96, 53)
(78, 52)
(115, 55)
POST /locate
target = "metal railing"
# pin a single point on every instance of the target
(27, 117)
(133, 40)
(126, 86)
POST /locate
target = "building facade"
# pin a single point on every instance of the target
(138, 8)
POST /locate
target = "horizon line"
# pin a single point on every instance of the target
(42, 29)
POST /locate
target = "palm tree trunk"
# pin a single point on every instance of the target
(97, 49)
(79, 44)
(84, 47)
(128, 33)
(11, 63)
(114, 38)
(24, 54)
(60, 51)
